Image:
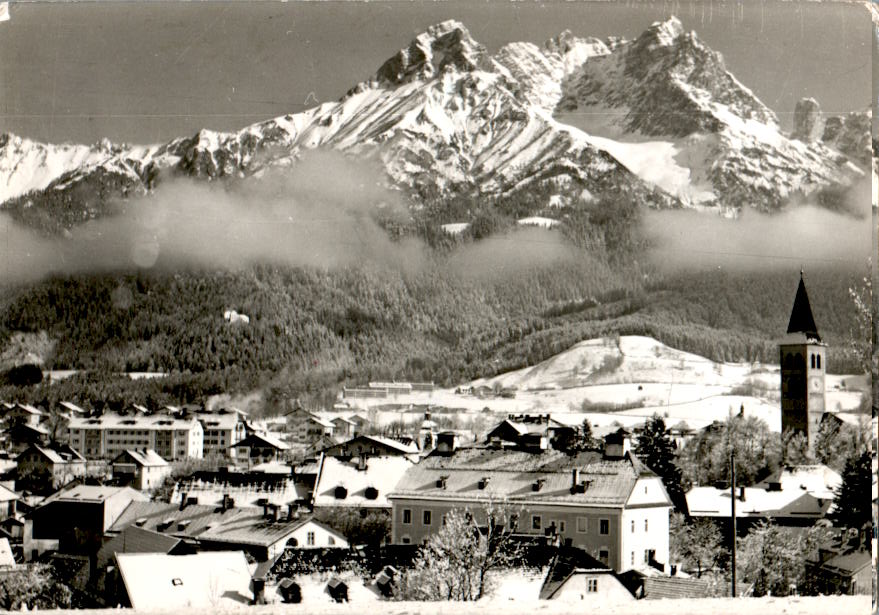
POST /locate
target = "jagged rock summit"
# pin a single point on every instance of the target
(658, 120)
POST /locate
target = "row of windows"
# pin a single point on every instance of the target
(536, 522)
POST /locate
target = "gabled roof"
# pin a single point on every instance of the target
(94, 494)
(254, 529)
(758, 502)
(257, 439)
(567, 562)
(152, 515)
(381, 473)
(817, 480)
(56, 453)
(71, 407)
(213, 580)
(403, 448)
(320, 420)
(134, 539)
(801, 319)
(147, 458)
(28, 409)
(512, 475)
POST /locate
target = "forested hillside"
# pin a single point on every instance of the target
(312, 331)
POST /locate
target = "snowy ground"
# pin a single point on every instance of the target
(850, 605)
(626, 381)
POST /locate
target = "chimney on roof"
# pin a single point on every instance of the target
(537, 485)
(227, 502)
(259, 591)
(276, 513)
(742, 494)
(617, 444)
(291, 511)
(183, 500)
(441, 482)
(484, 481)
(575, 477)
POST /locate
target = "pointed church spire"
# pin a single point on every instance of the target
(801, 319)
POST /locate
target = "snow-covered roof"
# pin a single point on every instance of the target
(254, 529)
(147, 458)
(380, 473)
(57, 453)
(116, 421)
(71, 407)
(818, 480)
(207, 580)
(94, 493)
(488, 473)
(262, 440)
(758, 502)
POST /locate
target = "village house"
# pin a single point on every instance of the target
(186, 521)
(47, 467)
(610, 505)
(535, 431)
(792, 496)
(342, 427)
(222, 429)
(842, 566)
(372, 446)
(107, 436)
(304, 427)
(265, 534)
(260, 448)
(361, 482)
(175, 583)
(24, 414)
(142, 469)
(576, 577)
(75, 520)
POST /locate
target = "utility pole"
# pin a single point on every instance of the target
(732, 492)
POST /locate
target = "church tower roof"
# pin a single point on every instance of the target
(801, 319)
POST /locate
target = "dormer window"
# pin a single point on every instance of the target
(484, 481)
(370, 493)
(441, 482)
(341, 493)
(537, 485)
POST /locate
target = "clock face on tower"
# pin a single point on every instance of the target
(815, 385)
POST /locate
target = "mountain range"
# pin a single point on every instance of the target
(658, 119)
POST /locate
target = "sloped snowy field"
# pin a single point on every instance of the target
(638, 375)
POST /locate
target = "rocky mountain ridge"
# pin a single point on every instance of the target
(444, 117)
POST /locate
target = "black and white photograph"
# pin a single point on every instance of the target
(415, 306)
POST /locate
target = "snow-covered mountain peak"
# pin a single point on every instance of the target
(446, 44)
(661, 33)
(658, 119)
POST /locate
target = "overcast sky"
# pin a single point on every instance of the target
(144, 72)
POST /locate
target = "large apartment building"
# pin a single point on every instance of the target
(612, 506)
(107, 436)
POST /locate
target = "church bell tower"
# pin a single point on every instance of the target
(803, 360)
